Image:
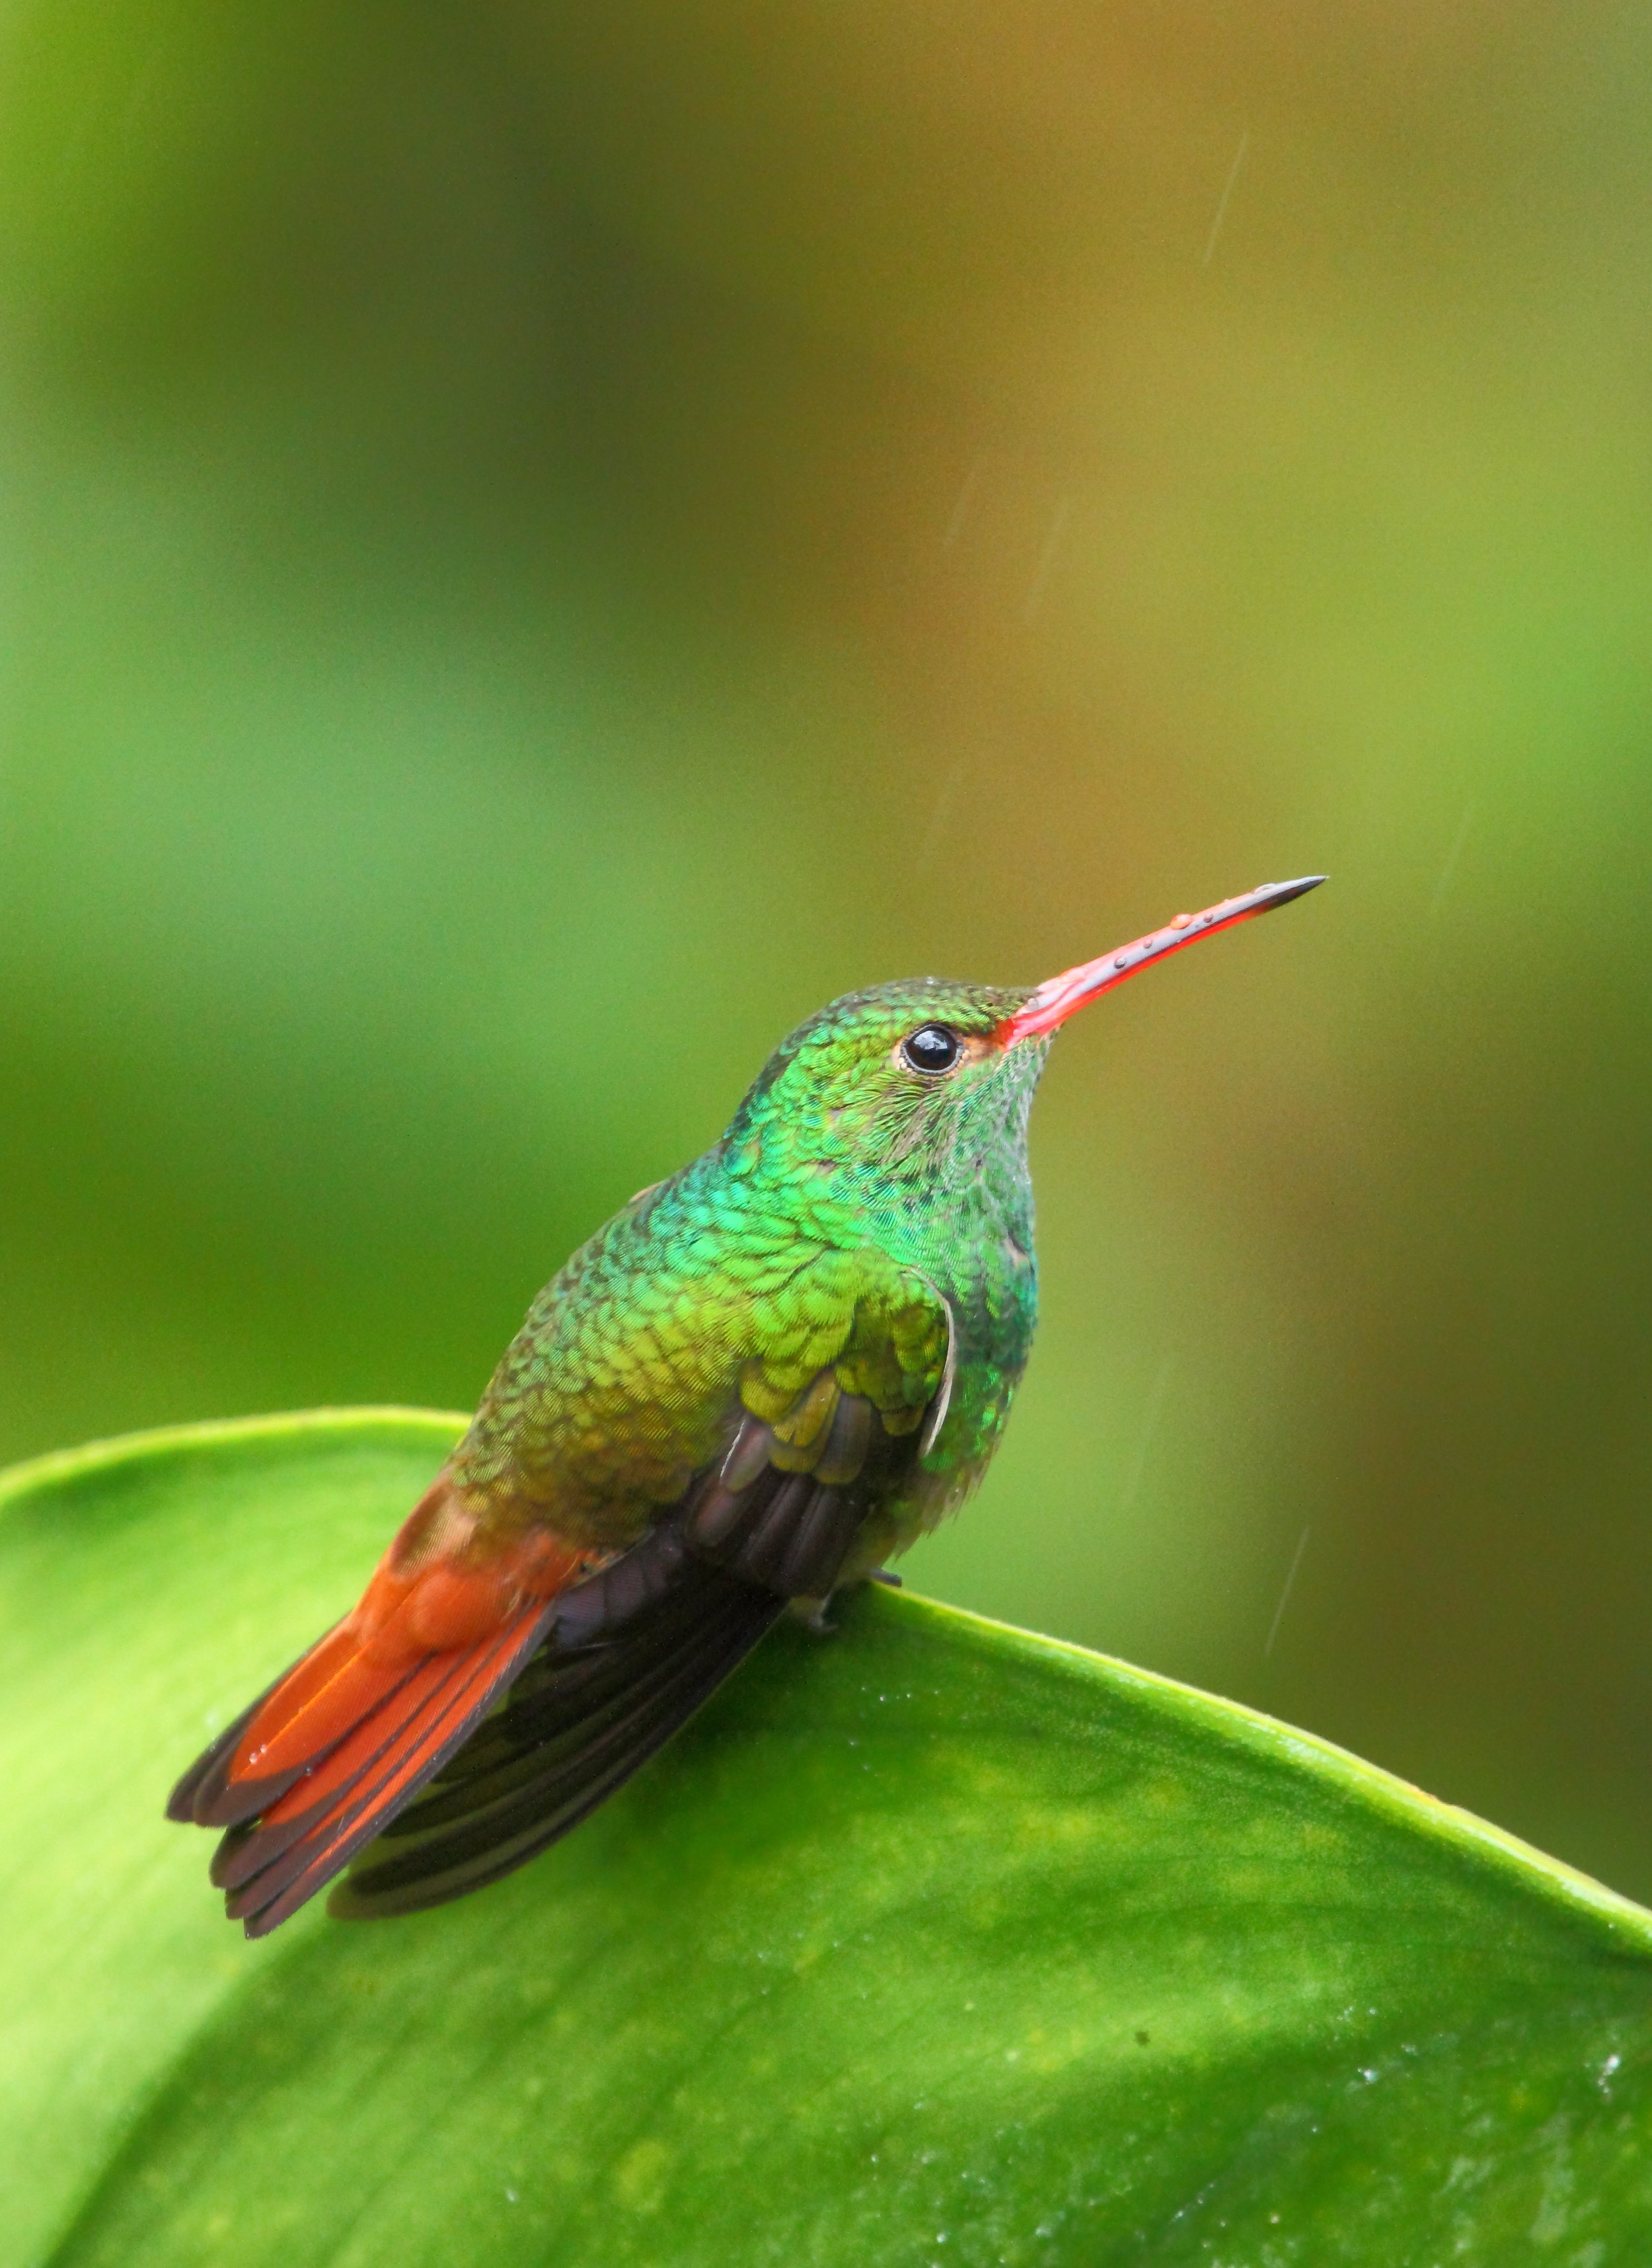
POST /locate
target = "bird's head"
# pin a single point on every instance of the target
(926, 1080)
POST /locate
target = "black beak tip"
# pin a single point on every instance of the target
(1281, 894)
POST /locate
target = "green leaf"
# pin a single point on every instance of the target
(930, 1943)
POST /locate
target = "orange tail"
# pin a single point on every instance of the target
(319, 1764)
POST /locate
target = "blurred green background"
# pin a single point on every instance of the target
(541, 544)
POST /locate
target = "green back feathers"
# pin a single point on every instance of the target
(863, 1227)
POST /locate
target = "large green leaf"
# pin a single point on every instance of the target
(931, 1943)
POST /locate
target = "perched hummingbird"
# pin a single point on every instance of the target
(761, 1379)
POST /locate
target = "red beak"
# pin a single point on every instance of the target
(1056, 998)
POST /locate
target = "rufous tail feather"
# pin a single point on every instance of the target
(323, 1760)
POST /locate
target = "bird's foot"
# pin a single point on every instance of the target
(812, 1613)
(882, 1575)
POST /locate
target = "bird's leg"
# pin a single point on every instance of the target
(812, 1613)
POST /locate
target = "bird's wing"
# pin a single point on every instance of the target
(820, 1441)
(341, 1748)
(578, 1723)
(633, 1650)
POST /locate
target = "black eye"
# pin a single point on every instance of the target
(931, 1047)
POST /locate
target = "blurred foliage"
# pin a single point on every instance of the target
(934, 1942)
(541, 543)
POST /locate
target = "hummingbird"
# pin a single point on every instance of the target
(760, 1380)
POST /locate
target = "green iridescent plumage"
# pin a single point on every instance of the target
(860, 1224)
(762, 1377)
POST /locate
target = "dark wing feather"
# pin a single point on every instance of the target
(578, 1723)
(629, 1657)
(632, 1652)
(474, 1707)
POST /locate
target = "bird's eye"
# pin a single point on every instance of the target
(931, 1047)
